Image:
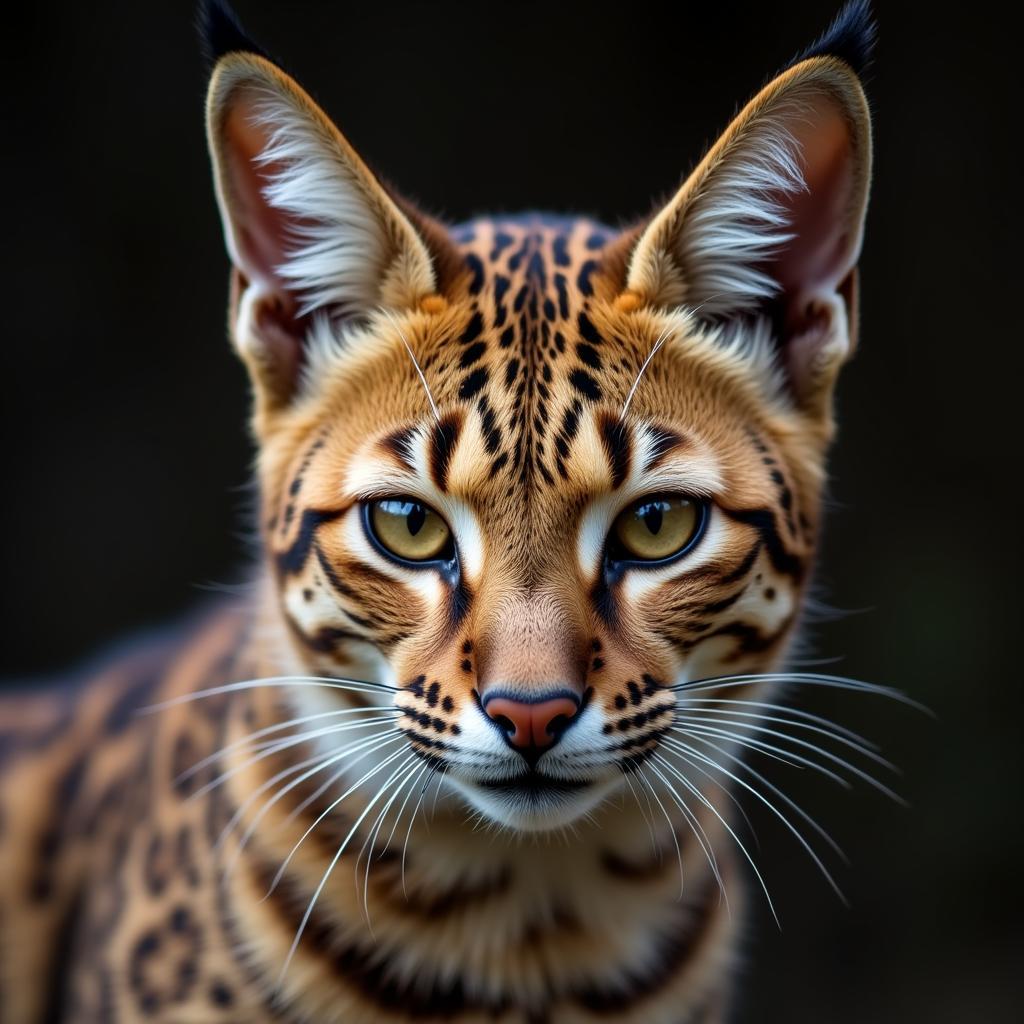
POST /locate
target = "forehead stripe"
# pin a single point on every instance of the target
(444, 437)
(617, 448)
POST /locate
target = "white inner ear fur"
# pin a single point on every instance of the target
(767, 230)
(737, 222)
(338, 250)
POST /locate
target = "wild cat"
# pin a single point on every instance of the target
(539, 502)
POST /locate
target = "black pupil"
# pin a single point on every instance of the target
(415, 518)
(653, 514)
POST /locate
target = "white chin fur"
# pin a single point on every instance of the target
(528, 814)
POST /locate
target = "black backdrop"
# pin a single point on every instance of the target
(123, 412)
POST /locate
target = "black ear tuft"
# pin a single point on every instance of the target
(851, 37)
(220, 32)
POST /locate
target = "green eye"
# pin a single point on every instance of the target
(408, 529)
(653, 529)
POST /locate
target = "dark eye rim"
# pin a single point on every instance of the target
(448, 560)
(616, 564)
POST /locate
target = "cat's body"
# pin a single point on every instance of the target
(524, 484)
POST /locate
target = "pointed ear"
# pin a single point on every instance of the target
(312, 234)
(769, 225)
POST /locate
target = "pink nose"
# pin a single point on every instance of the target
(532, 726)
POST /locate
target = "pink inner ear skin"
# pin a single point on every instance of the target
(261, 234)
(823, 249)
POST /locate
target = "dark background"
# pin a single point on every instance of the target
(123, 414)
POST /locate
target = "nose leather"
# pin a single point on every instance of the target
(531, 722)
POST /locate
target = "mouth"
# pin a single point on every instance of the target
(534, 786)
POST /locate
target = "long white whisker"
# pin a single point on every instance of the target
(401, 810)
(735, 802)
(327, 810)
(698, 833)
(258, 792)
(728, 717)
(754, 773)
(376, 742)
(682, 750)
(827, 723)
(643, 813)
(330, 868)
(412, 821)
(286, 744)
(800, 679)
(412, 356)
(399, 785)
(821, 751)
(277, 727)
(787, 758)
(326, 682)
(736, 839)
(671, 827)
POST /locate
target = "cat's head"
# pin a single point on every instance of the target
(532, 473)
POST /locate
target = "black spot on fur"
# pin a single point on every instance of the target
(585, 385)
(473, 329)
(473, 354)
(583, 280)
(476, 269)
(472, 384)
(587, 330)
(563, 296)
(588, 354)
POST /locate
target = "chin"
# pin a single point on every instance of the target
(533, 802)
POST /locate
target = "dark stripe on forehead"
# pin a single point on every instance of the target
(617, 447)
(443, 438)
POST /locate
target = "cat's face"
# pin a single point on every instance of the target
(532, 474)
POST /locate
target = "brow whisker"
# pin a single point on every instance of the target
(415, 363)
